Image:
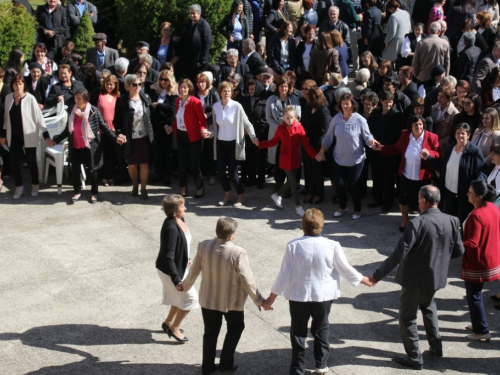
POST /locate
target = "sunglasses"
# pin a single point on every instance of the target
(304, 88)
(164, 80)
(137, 84)
(467, 103)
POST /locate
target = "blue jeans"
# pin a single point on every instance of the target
(227, 164)
(474, 293)
(351, 175)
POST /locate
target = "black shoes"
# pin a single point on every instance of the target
(407, 362)
(144, 194)
(317, 201)
(200, 195)
(167, 328)
(495, 298)
(234, 367)
(386, 208)
(135, 191)
(178, 339)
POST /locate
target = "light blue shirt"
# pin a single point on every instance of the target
(238, 29)
(161, 55)
(81, 7)
(351, 137)
(101, 56)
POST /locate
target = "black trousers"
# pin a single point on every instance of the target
(410, 301)
(352, 175)
(81, 156)
(253, 168)
(109, 159)
(188, 158)
(208, 164)
(212, 320)
(300, 312)
(314, 175)
(16, 157)
(474, 292)
(227, 166)
(454, 206)
(279, 174)
(384, 170)
(162, 153)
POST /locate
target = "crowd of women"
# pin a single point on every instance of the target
(292, 97)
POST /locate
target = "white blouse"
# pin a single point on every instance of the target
(451, 179)
(413, 158)
(311, 270)
(225, 117)
(179, 116)
(494, 178)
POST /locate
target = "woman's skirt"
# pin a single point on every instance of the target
(172, 297)
(139, 151)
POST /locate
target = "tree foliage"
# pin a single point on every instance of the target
(17, 30)
(141, 19)
(83, 35)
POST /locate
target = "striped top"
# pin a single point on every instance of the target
(226, 279)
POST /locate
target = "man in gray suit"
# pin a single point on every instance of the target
(423, 255)
(485, 66)
(101, 56)
(430, 52)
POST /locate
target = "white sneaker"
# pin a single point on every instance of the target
(356, 216)
(34, 190)
(300, 211)
(322, 370)
(277, 200)
(19, 191)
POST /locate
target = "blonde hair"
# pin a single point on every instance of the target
(171, 204)
(290, 108)
(173, 89)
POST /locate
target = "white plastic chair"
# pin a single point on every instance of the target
(57, 156)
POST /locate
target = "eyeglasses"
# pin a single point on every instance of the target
(304, 88)
(467, 103)
(141, 73)
(164, 80)
(135, 84)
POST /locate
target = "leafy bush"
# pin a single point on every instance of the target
(83, 35)
(17, 30)
(140, 20)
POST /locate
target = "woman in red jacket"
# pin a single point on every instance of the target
(189, 127)
(414, 145)
(481, 260)
(290, 133)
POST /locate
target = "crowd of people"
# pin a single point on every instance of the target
(407, 90)
(368, 94)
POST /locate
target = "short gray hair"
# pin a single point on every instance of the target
(146, 57)
(121, 64)
(363, 75)
(333, 7)
(226, 226)
(435, 27)
(430, 193)
(105, 72)
(469, 39)
(449, 80)
(341, 91)
(249, 43)
(232, 52)
(196, 8)
(129, 79)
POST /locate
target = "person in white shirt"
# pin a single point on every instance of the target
(310, 279)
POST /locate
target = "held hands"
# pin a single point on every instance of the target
(168, 130)
(367, 281)
(255, 141)
(180, 287)
(267, 305)
(205, 134)
(424, 154)
(121, 139)
(374, 144)
(154, 104)
(3, 141)
(49, 142)
(320, 156)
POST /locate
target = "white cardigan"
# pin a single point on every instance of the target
(33, 121)
(311, 268)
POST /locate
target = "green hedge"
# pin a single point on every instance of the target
(17, 30)
(83, 35)
(136, 20)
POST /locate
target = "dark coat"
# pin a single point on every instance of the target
(372, 16)
(316, 126)
(386, 128)
(41, 88)
(195, 47)
(255, 109)
(274, 20)
(134, 62)
(99, 127)
(124, 120)
(173, 49)
(164, 113)
(226, 27)
(69, 99)
(274, 54)
(254, 62)
(340, 26)
(299, 51)
(60, 22)
(424, 251)
(466, 63)
(241, 69)
(212, 98)
(343, 58)
(173, 257)
(411, 91)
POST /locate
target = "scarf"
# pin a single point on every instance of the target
(86, 129)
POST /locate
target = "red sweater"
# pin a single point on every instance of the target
(430, 142)
(290, 136)
(194, 118)
(481, 260)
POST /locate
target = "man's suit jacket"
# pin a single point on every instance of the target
(424, 251)
(226, 280)
(133, 63)
(254, 62)
(173, 257)
(430, 52)
(466, 63)
(109, 58)
(483, 70)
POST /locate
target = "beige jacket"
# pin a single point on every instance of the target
(486, 141)
(226, 279)
(430, 52)
(33, 121)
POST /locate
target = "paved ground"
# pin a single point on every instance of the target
(80, 294)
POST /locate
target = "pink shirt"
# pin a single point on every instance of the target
(107, 109)
(77, 133)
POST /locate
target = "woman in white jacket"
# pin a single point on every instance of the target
(310, 279)
(23, 122)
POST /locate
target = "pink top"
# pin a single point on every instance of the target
(78, 141)
(436, 14)
(107, 109)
